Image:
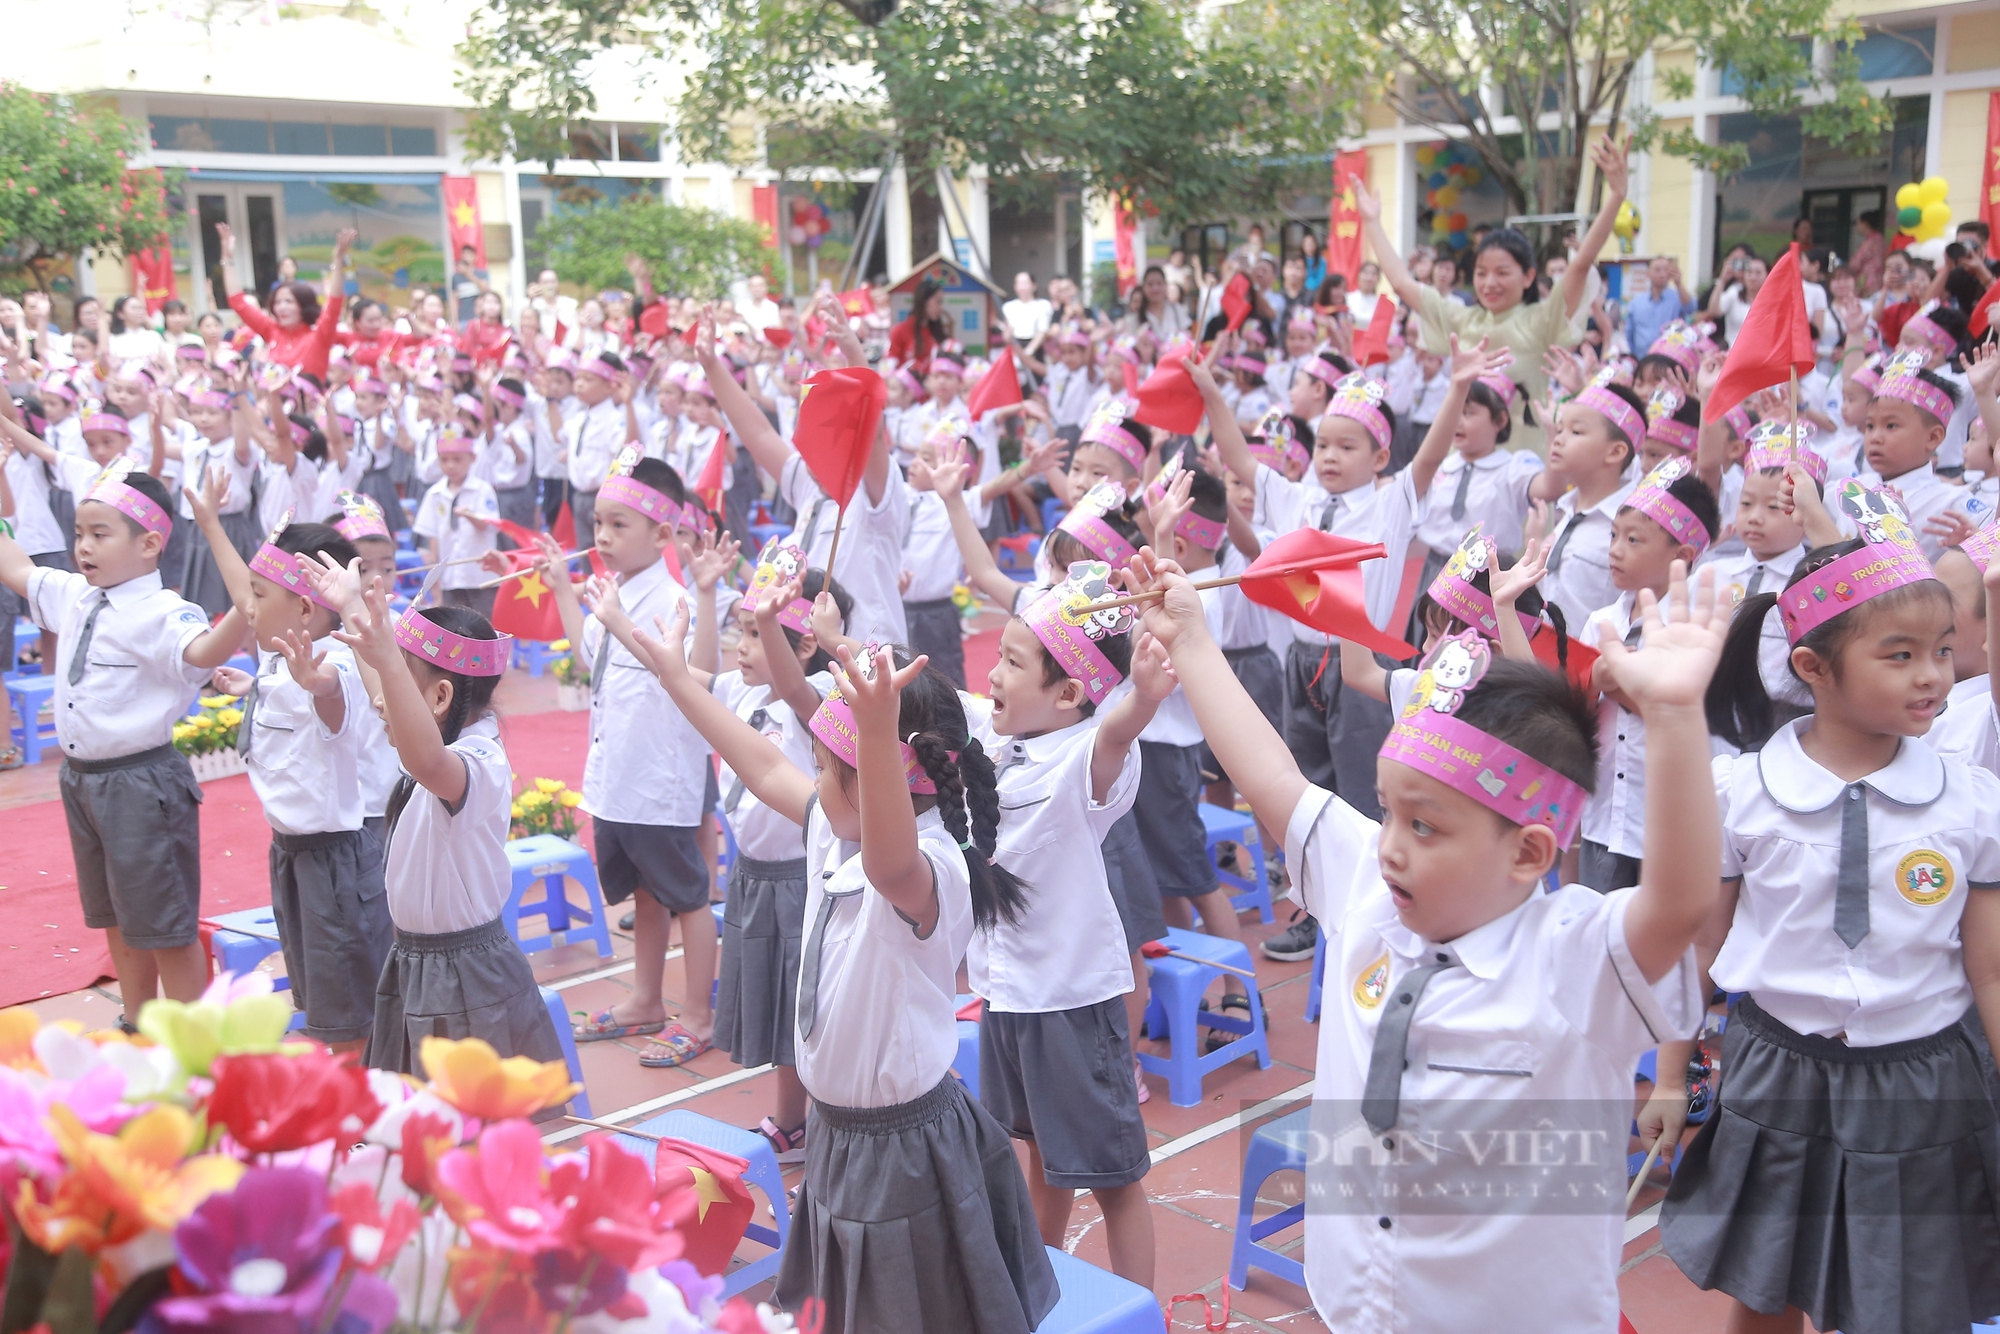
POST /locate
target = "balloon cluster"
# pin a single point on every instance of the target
(810, 224)
(1447, 171)
(1921, 213)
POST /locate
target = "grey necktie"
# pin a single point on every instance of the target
(249, 712)
(1633, 636)
(735, 797)
(1327, 515)
(79, 659)
(1562, 541)
(1015, 752)
(812, 525)
(1756, 583)
(1850, 899)
(1382, 1095)
(1458, 496)
(809, 965)
(603, 663)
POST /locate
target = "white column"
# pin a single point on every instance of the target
(1934, 130)
(978, 219)
(897, 223)
(1062, 234)
(517, 267)
(1406, 196)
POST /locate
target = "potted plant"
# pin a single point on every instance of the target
(572, 679)
(546, 807)
(208, 738)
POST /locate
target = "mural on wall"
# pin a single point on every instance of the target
(401, 226)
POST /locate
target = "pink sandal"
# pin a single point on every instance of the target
(789, 1146)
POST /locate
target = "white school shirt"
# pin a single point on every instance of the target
(917, 422)
(1068, 949)
(374, 439)
(67, 437)
(204, 456)
(1580, 580)
(180, 434)
(1932, 838)
(548, 445)
(460, 539)
(1740, 575)
(661, 438)
(446, 868)
(1496, 498)
(885, 1026)
(593, 437)
(647, 764)
(761, 833)
(35, 526)
(423, 438)
(1237, 622)
(497, 461)
(332, 479)
(930, 553)
(871, 546)
(137, 682)
(307, 777)
(1173, 723)
(75, 475)
(1071, 395)
(281, 489)
(1254, 403)
(1951, 451)
(1368, 513)
(1969, 727)
(378, 764)
(689, 452)
(1925, 496)
(1615, 815)
(1843, 454)
(1545, 1008)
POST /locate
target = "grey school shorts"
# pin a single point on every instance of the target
(1064, 1079)
(663, 860)
(333, 922)
(135, 829)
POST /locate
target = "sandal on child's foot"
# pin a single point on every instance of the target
(606, 1027)
(11, 758)
(790, 1146)
(676, 1046)
(1219, 1038)
(1139, 1075)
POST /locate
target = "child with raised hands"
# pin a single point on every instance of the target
(1854, 865)
(1465, 1001)
(453, 970)
(301, 738)
(913, 1213)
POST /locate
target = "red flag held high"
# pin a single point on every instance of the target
(461, 211)
(1981, 317)
(708, 487)
(778, 336)
(526, 607)
(1776, 340)
(839, 412)
(1343, 231)
(858, 302)
(702, 1190)
(998, 388)
(1315, 578)
(1168, 399)
(1371, 345)
(1236, 302)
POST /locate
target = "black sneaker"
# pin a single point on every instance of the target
(1295, 942)
(628, 921)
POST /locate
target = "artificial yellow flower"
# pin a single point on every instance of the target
(559, 646)
(18, 1026)
(122, 1185)
(217, 701)
(571, 799)
(534, 801)
(196, 1034)
(516, 812)
(229, 717)
(549, 785)
(470, 1076)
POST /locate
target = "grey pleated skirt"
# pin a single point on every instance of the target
(915, 1218)
(380, 483)
(763, 925)
(474, 983)
(201, 579)
(1859, 1184)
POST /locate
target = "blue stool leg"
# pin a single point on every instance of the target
(1184, 1065)
(580, 1104)
(557, 892)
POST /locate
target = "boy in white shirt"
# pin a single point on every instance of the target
(593, 437)
(1596, 438)
(457, 516)
(1448, 968)
(508, 462)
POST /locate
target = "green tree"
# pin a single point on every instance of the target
(690, 250)
(1466, 69)
(1154, 100)
(64, 184)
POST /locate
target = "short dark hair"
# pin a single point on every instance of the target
(153, 489)
(1485, 396)
(1540, 713)
(661, 476)
(316, 539)
(1692, 492)
(1977, 228)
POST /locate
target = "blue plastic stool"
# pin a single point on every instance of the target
(1097, 1301)
(550, 860)
(966, 1064)
(1175, 1008)
(1016, 555)
(534, 655)
(580, 1104)
(1052, 514)
(761, 1173)
(1221, 826)
(1318, 982)
(26, 694)
(241, 940)
(1277, 1147)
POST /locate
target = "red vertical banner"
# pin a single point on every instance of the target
(1343, 239)
(1124, 247)
(1989, 181)
(764, 210)
(461, 212)
(153, 276)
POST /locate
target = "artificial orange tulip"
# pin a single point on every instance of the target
(18, 1026)
(470, 1076)
(121, 1185)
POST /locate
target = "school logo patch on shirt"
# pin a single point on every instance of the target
(1924, 877)
(1373, 984)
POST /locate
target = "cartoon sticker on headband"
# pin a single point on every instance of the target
(115, 471)
(1475, 553)
(284, 522)
(1878, 513)
(1088, 583)
(1102, 499)
(1668, 472)
(355, 505)
(1608, 374)
(1905, 363)
(1664, 403)
(778, 564)
(1449, 673)
(1111, 412)
(1276, 427)
(1358, 388)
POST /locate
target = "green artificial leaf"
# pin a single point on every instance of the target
(29, 1273)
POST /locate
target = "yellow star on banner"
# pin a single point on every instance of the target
(707, 1191)
(463, 215)
(532, 588)
(805, 389)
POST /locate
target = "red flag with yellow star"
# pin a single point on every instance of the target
(702, 1191)
(461, 211)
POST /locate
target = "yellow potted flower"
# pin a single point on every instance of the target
(208, 738)
(572, 679)
(545, 806)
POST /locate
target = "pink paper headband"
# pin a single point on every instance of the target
(368, 384)
(946, 366)
(1204, 533)
(502, 394)
(1869, 376)
(1359, 398)
(110, 489)
(1074, 338)
(285, 568)
(1772, 446)
(1251, 365)
(191, 352)
(1652, 499)
(912, 382)
(655, 505)
(467, 403)
(833, 724)
(359, 517)
(107, 421)
(1454, 590)
(451, 442)
(1890, 560)
(1277, 441)
(1625, 419)
(599, 367)
(1085, 522)
(67, 393)
(1900, 381)
(1930, 331)
(1323, 370)
(1679, 343)
(1515, 786)
(1738, 421)
(1064, 621)
(416, 633)
(209, 398)
(1979, 548)
(1502, 387)
(1107, 427)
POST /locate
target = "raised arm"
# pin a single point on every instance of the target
(1119, 728)
(1610, 160)
(419, 743)
(781, 664)
(1222, 427)
(981, 570)
(1467, 365)
(328, 327)
(1401, 281)
(894, 863)
(753, 428)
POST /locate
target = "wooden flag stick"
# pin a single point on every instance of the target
(839, 522)
(1136, 598)
(621, 1130)
(498, 580)
(1645, 1169)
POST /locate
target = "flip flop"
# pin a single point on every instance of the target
(11, 758)
(674, 1047)
(601, 1027)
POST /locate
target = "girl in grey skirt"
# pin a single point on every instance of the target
(913, 1214)
(1851, 1170)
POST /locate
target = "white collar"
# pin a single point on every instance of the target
(1608, 507)
(124, 595)
(1483, 950)
(1802, 785)
(1492, 458)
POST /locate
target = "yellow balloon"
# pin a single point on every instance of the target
(1426, 155)
(1906, 197)
(1932, 190)
(1936, 218)
(1447, 196)
(1471, 177)
(1627, 222)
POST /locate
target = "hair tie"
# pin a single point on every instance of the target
(965, 845)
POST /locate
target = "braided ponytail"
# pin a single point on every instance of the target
(933, 723)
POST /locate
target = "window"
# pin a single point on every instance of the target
(638, 143)
(360, 141)
(240, 136)
(296, 138)
(590, 141)
(413, 141)
(306, 138)
(1898, 53)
